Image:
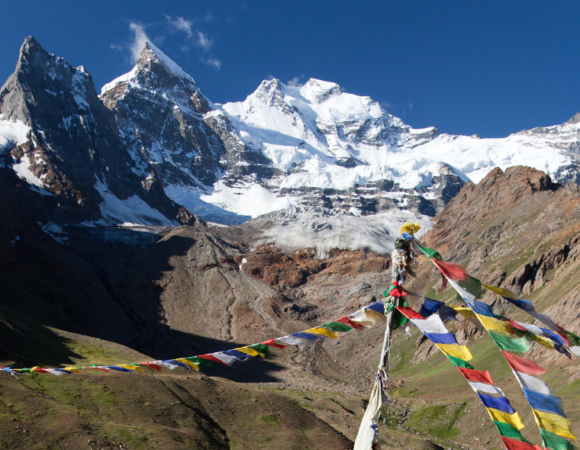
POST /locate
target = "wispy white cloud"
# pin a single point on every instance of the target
(204, 41)
(139, 40)
(295, 82)
(181, 24)
(214, 62)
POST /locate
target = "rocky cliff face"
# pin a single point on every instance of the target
(70, 149)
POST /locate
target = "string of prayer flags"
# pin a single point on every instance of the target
(271, 343)
(499, 408)
(547, 409)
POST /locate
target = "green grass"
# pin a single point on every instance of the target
(437, 420)
(269, 419)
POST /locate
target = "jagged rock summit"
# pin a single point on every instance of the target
(68, 146)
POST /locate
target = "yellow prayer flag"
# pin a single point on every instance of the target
(554, 423)
(131, 368)
(249, 351)
(548, 343)
(501, 291)
(457, 351)
(492, 324)
(511, 419)
(72, 369)
(409, 227)
(188, 363)
(465, 312)
(322, 331)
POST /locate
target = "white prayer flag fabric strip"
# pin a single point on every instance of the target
(433, 325)
(532, 383)
(484, 387)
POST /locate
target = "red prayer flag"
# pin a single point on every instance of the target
(271, 343)
(516, 326)
(409, 313)
(512, 444)
(38, 370)
(102, 369)
(212, 358)
(523, 365)
(351, 323)
(479, 376)
(397, 291)
(451, 270)
(151, 366)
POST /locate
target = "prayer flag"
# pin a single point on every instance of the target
(448, 313)
(236, 354)
(509, 343)
(508, 431)
(271, 343)
(409, 313)
(188, 363)
(248, 351)
(307, 336)
(524, 305)
(261, 348)
(542, 402)
(322, 331)
(501, 291)
(199, 361)
(151, 366)
(345, 320)
(446, 338)
(464, 311)
(523, 365)
(432, 324)
(554, 442)
(378, 307)
(483, 309)
(500, 403)
(211, 357)
(119, 368)
(290, 340)
(337, 326)
(553, 423)
(429, 307)
(512, 444)
(511, 419)
(73, 369)
(533, 384)
(492, 324)
(458, 351)
(458, 362)
(486, 388)
(477, 375)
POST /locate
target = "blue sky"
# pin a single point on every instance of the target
(485, 67)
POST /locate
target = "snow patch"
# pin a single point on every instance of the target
(12, 133)
(55, 231)
(132, 210)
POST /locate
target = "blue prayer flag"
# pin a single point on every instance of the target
(120, 369)
(447, 313)
(430, 307)
(545, 402)
(480, 308)
(500, 403)
(237, 354)
(526, 305)
(308, 336)
(378, 307)
(442, 338)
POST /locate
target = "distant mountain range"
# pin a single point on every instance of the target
(153, 150)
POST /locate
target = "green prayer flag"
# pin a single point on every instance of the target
(554, 442)
(336, 326)
(262, 348)
(398, 319)
(430, 252)
(471, 285)
(574, 339)
(508, 431)
(198, 361)
(459, 362)
(510, 344)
